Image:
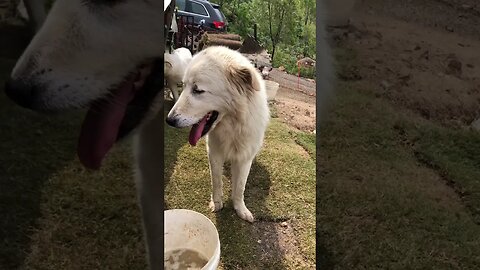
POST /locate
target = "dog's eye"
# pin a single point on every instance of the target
(195, 90)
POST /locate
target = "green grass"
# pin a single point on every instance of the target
(280, 188)
(379, 206)
(455, 154)
(308, 142)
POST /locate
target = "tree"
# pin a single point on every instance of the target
(277, 20)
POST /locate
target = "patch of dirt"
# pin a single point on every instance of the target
(422, 55)
(295, 100)
(278, 240)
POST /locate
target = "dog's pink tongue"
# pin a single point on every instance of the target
(100, 127)
(196, 131)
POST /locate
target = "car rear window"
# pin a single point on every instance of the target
(197, 9)
(219, 13)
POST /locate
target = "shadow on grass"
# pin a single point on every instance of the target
(259, 243)
(32, 147)
(243, 245)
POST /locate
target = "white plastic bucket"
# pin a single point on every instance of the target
(187, 229)
(272, 88)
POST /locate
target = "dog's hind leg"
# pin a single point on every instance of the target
(216, 162)
(149, 175)
(240, 171)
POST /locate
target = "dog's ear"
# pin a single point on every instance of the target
(244, 78)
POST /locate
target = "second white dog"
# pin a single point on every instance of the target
(175, 66)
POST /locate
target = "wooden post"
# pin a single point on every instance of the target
(298, 80)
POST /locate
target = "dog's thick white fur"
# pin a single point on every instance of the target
(175, 66)
(234, 88)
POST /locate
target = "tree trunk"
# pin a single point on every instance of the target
(36, 12)
(274, 45)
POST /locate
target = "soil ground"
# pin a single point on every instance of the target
(295, 100)
(422, 56)
(398, 177)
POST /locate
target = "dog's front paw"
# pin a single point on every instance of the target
(245, 214)
(215, 206)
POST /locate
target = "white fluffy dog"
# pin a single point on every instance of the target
(175, 65)
(224, 97)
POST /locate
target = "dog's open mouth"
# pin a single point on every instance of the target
(111, 118)
(202, 127)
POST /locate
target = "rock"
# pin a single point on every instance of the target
(259, 241)
(284, 224)
(449, 28)
(476, 125)
(281, 68)
(454, 67)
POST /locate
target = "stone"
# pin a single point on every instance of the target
(454, 67)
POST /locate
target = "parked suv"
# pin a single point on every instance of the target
(204, 13)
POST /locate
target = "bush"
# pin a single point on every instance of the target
(287, 57)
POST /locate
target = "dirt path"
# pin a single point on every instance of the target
(423, 55)
(295, 100)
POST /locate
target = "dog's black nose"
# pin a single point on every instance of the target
(172, 121)
(20, 92)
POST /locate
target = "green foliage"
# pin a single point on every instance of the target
(286, 56)
(238, 17)
(286, 28)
